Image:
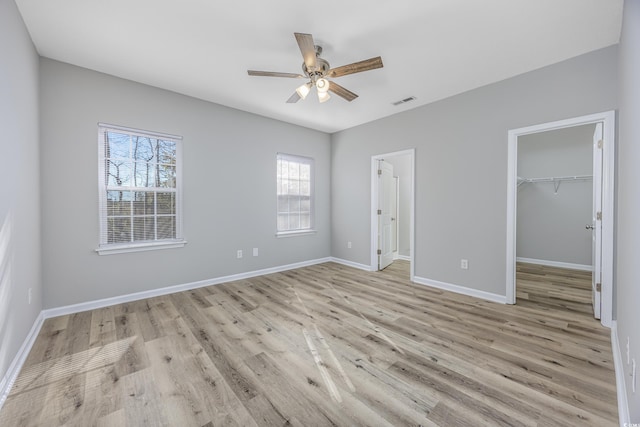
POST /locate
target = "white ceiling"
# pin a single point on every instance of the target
(431, 49)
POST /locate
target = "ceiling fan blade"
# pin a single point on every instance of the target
(342, 92)
(294, 98)
(356, 67)
(274, 74)
(308, 49)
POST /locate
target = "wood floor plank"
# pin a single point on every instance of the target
(103, 395)
(49, 344)
(103, 327)
(233, 371)
(113, 419)
(326, 345)
(291, 400)
(64, 402)
(134, 357)
(142, 404)
(201, 397)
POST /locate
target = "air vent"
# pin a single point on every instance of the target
(402, 101)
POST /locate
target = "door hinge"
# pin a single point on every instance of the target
(600, 143)
(599, 216)
(599, 287)
(379, 171)
(379, 211)
(379, 252)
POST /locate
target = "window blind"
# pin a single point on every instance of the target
(139, 187)
(295, 210)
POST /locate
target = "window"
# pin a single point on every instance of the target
(295, 194)
(139, 181)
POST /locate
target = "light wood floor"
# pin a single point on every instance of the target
(325, 345)
(557, 288)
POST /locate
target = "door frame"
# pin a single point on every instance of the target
(374, 208)
(396, 181)
(608, 189)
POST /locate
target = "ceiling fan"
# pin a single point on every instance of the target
(317, 69)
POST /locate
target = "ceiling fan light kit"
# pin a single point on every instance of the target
(304, 90)
(322, 85)
(316, 69)
(323, 97)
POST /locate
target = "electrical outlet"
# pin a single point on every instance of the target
(29, 295)
(633, 375)
(255, 251)
(464, 264)
(348, 245)
(628, 352)
(239, 255)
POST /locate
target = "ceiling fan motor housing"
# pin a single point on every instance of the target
(320, 70)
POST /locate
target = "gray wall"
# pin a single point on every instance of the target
(551, 226)
(628, 232)
(229, 187)
(402, 169)
(461, 166)
(19, 185)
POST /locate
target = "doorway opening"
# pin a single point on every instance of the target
(392, 209)
(600, 220)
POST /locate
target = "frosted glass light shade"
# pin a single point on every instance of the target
(304, 90)
(322, 85)
(323, 96)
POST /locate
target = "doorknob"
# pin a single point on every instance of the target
(393, 219)
(589, 227)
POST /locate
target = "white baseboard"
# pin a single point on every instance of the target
(623, 403)
(16, 365)
(105, 302)
(558, 264)
(502, 299)
(357, 265)
(402, 257)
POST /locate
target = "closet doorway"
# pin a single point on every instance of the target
(560, 201)
(392, 207)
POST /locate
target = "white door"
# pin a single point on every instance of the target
(385, 214)
(596, 225)
(394, 217)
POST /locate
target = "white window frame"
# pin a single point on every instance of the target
(105, 248)
(302, 160)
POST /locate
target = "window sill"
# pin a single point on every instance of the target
(140, 247)
(295, 233)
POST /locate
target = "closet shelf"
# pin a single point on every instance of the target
(556, 180)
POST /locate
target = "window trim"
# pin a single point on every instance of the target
(293, 233)
(116, 248)
(312, 208)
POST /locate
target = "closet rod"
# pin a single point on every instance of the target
(556, 180)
